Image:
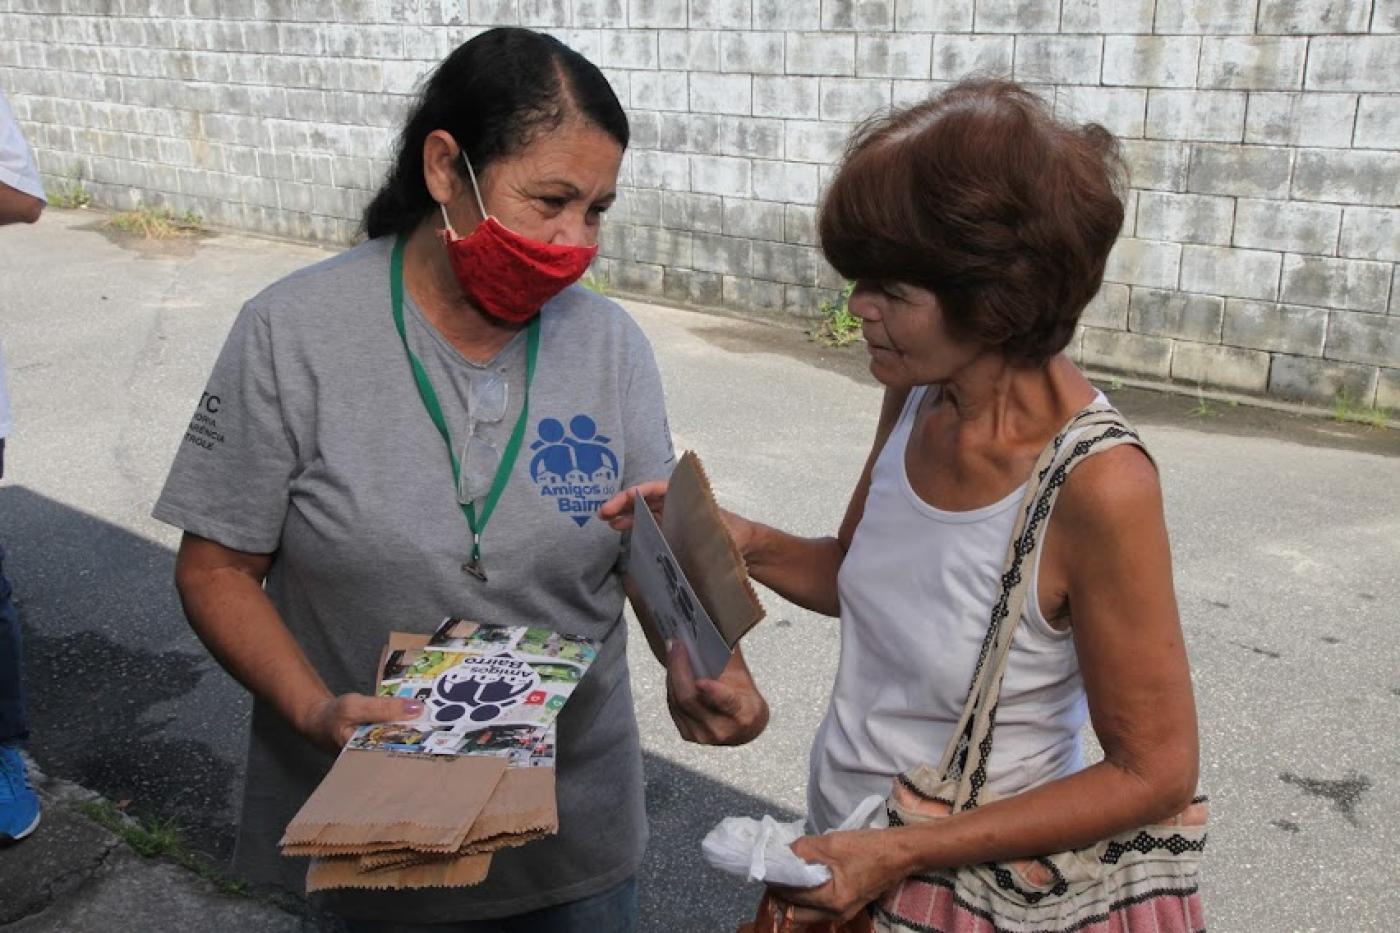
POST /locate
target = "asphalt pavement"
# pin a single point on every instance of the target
(1286, 537)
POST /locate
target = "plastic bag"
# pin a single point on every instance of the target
(760, 850)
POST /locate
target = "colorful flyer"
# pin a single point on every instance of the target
(486, 690)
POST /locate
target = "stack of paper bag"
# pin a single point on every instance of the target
(385, 821)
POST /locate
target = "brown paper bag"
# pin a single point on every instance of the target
(371, 796)
(344, 872)
(366, 848)
(523, 804)
(521, 809)
(364, 831)
(695, 531)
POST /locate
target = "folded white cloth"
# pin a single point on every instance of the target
(760, 850)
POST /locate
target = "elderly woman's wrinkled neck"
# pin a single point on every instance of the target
(1018, 399)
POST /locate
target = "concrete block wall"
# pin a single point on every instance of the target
(1261, 252)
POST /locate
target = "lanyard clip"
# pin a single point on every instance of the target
(473, 564)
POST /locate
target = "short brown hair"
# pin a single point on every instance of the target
(980, 195)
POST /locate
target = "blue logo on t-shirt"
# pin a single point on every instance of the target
(575, 468)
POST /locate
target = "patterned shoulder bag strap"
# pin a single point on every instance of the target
(1099, 427)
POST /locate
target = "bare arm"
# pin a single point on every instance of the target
(16, 207)
(221, 591)
(1133, 660)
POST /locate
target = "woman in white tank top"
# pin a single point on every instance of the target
(976, 227)
(912, 622)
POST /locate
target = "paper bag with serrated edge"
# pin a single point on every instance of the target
(695, 531)
(375, 797)
(521, 807)
(344, 872)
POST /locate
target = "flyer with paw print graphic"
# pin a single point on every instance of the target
(486, 690)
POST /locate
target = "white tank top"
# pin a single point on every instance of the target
(916, 592)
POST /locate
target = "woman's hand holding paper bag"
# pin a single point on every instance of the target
(617, 512)
(725, 711)
(729, 709)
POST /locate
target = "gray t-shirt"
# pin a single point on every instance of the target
(311, 442)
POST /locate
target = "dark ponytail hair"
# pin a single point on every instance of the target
(493, 94)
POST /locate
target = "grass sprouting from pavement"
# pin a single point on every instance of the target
(159, 838)
(157, 223)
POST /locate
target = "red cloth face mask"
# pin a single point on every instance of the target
(509, 276)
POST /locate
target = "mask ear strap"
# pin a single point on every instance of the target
(476, 190)
(447, 223)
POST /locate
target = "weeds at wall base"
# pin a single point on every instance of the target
(837, 327)
(71, 197)
(1347, 409)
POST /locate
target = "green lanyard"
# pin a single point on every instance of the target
(476, 523)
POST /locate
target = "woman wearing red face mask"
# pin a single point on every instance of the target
(426, 426)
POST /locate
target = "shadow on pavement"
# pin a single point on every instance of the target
(118, 703)
(108, 662)
(679, 891)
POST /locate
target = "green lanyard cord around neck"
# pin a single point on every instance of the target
(477, 523)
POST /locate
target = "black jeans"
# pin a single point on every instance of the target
(13, 727)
